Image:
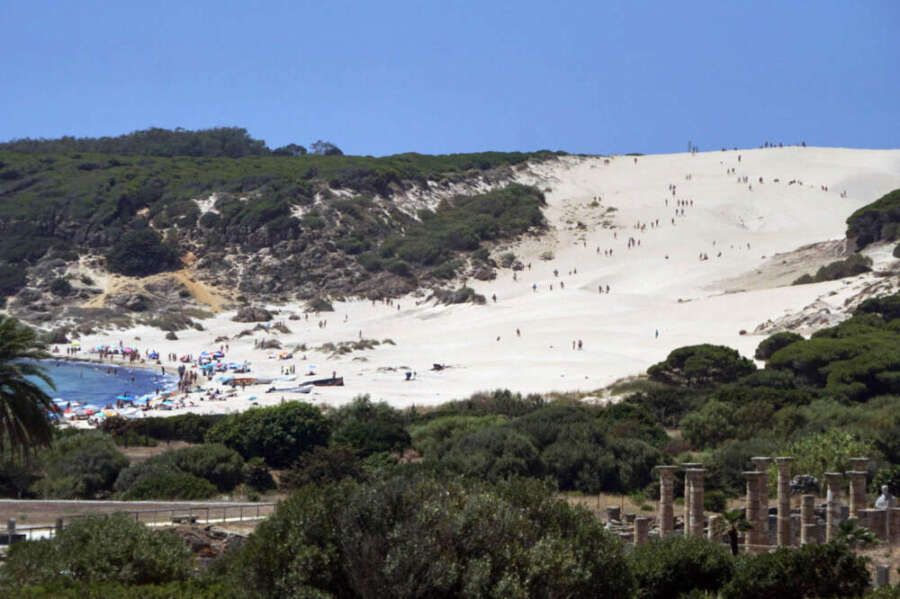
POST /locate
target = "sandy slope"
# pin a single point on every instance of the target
(682, 297)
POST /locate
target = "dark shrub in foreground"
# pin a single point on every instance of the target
(278, 434)
(96, 549)
(666, 568)
(831, 570)
(417, 537)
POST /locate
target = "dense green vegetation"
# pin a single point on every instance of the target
(98, 549)
(462, 225)
(278, 434)
(852, 265)
(878, 221)
(415, 536)
(61, 197)
(475, 511)
(139, 253)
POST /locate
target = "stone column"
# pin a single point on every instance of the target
(695, 521)
(751, 538)
(857, 494)
(666, 513)
(762, 465)
(833, 482)
(876, 521)
(809, 533)
(882, 576)
(893, 524)
(613, 514)
(783, 527)
(687, 493)
(861, 464)
(713, 531)
(641, 530)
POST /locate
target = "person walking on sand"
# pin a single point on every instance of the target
(656, 335)
(534, 287)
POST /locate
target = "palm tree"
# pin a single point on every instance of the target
(737, 522)
(24, 406)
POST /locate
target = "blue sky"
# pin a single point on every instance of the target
(447, 76)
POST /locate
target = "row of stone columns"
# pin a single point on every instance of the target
(757, 507)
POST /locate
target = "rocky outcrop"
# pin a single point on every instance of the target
(252, 314)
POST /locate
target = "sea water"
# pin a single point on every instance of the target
(99, 385)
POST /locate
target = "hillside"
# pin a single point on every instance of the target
(719, 271)
(243, 220)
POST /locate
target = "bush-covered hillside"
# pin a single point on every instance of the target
(325, 214)
(878, 221)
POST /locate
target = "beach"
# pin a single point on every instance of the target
(693, 263)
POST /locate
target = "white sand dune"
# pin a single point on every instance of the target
(681, 296)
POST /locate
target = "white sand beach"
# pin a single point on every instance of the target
(661, 285)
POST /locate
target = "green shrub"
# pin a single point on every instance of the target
(463, 223)
(876, 221)
(160, 484)
(257, 475)
(139, 253)
(368, 427)
(82, 465)
(187, 589)
(828, 451)
(60, 287)
(98, 549)
(853, 265)
(415, 537)
(494, 454)
(888, 306)
(773, 343)
(322, 465)
(434, 438)
(278, 434)
(701, 366)
(830, 570)
(221, 466)
(12, 278)
(669, 567)
(190, 428)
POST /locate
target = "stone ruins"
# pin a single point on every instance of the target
(796, 519)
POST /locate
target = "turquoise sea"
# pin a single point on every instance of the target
(99, 385)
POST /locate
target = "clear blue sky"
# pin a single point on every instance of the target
(445, 76)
